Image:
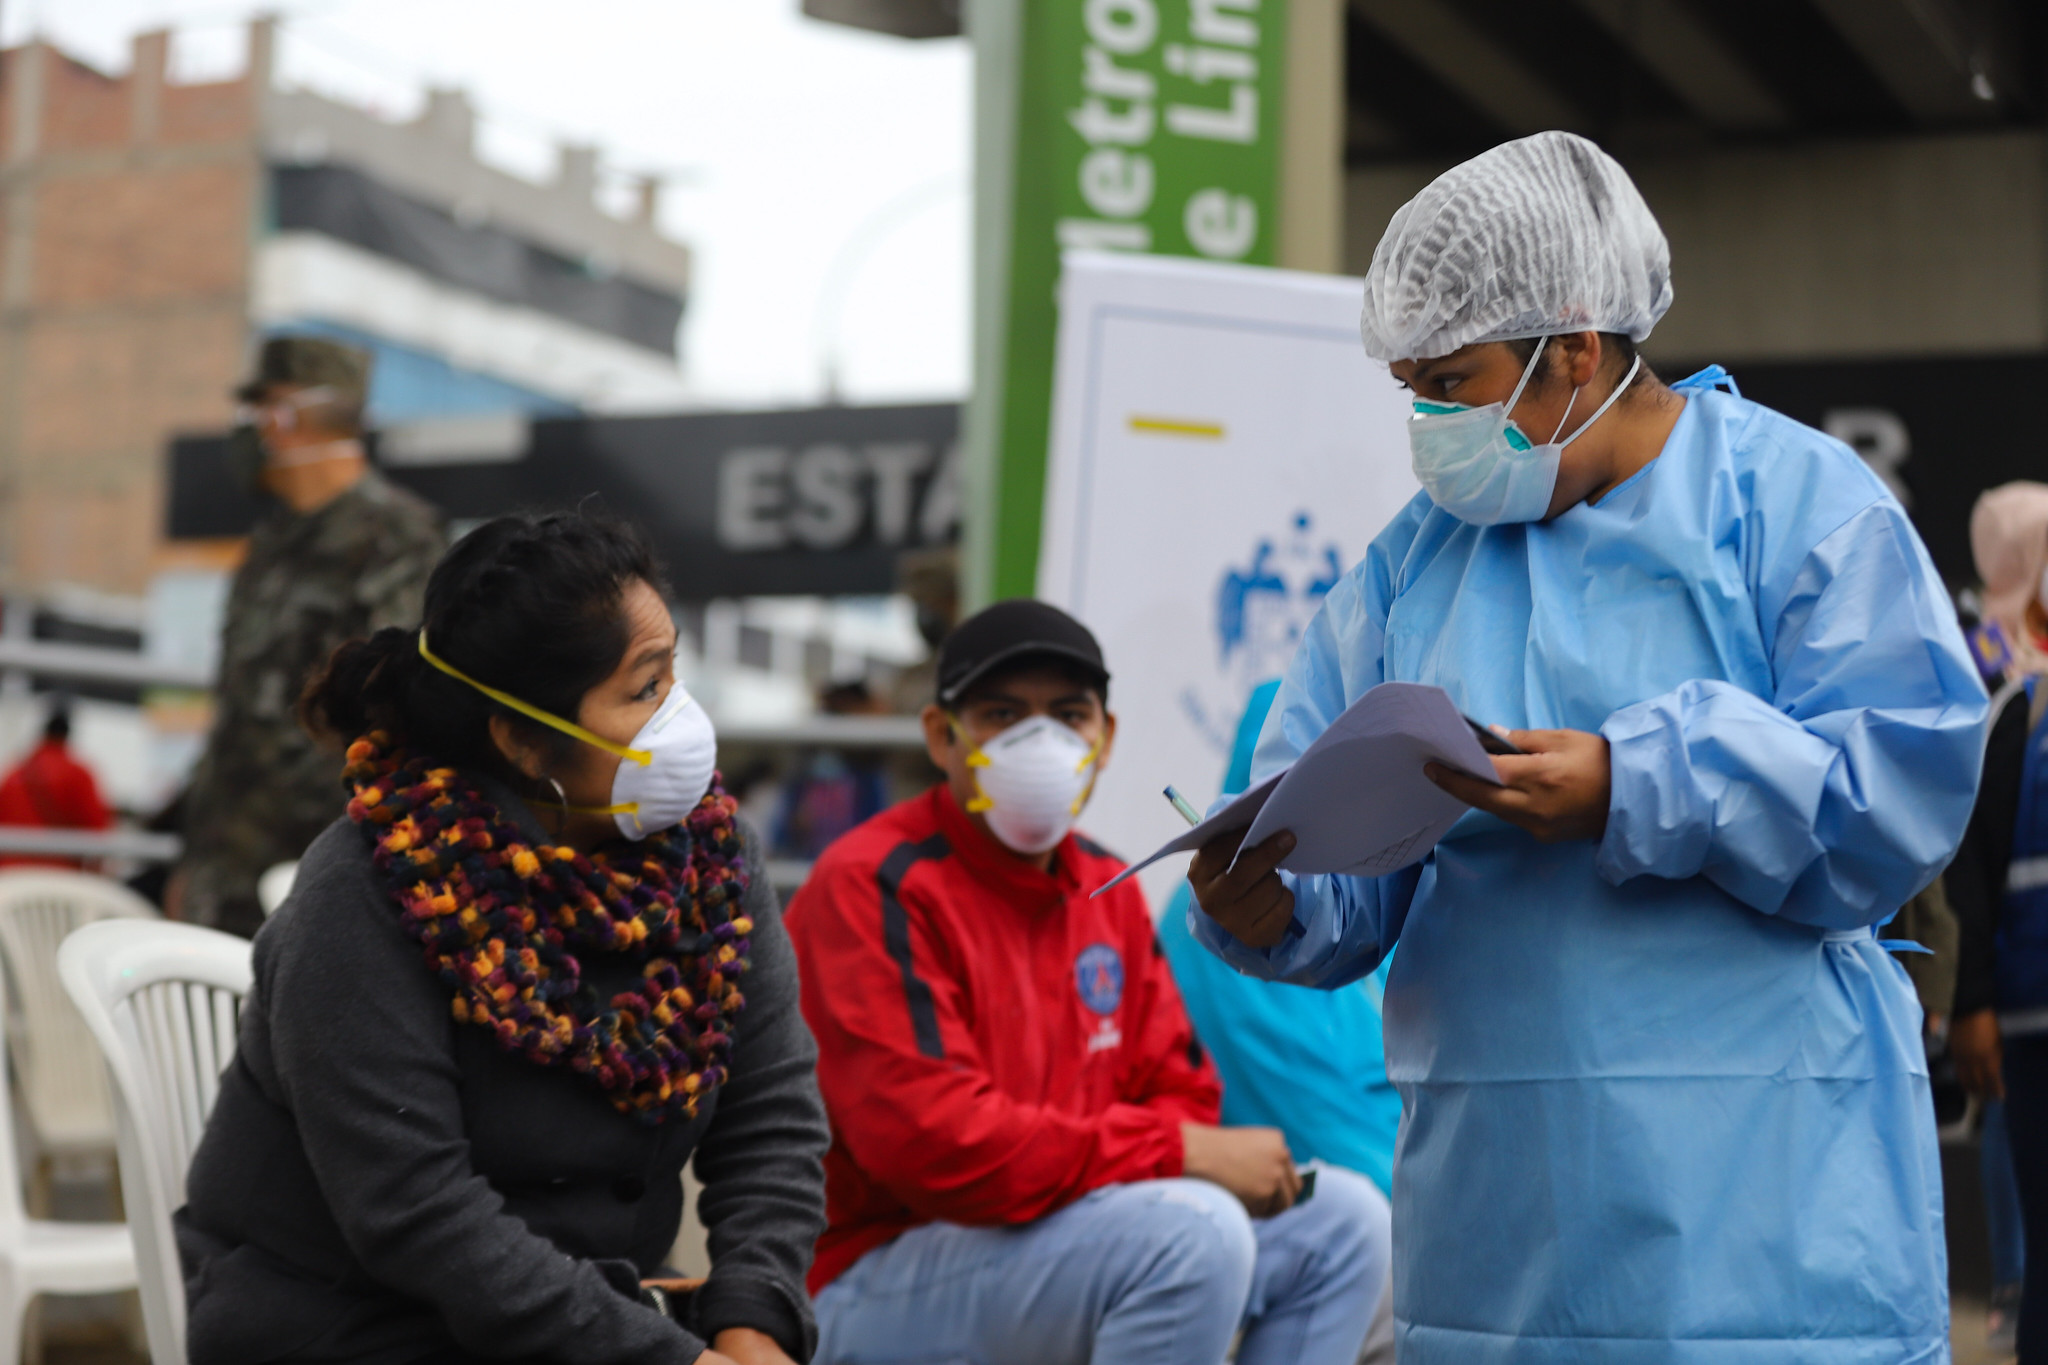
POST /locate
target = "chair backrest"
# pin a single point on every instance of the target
(56, 1063)
(13, 1215)
(163, 1001)
(275, 884)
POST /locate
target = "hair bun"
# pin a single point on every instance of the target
(362, 688)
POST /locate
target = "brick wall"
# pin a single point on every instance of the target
(126, 208)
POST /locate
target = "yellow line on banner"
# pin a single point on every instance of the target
(1173, 426)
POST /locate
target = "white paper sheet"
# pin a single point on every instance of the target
(1356, 799)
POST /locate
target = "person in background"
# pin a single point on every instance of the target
(931, 580)
(339, 553)
(50, 789)
(1998, 885)
(2004, 1226)
(833, 789)
(532, 972)
(1026, 1162)
(1928, 921)
(1665, 1097)
(1310, 1063)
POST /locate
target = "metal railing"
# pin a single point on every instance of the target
(137, 844)
(830, 732)
(90, 663)
(22, 658)
(93, 663)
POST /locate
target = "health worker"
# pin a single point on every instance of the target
(1666, 1098)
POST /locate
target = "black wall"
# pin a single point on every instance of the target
(1972, 423)
(810, 501)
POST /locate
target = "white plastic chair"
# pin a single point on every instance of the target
(162, 1000)
(275, 884)
(57, 1067)
(38, 1256)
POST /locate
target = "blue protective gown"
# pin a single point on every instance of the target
(1665, 1094)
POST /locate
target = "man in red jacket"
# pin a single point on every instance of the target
(1025, 1164)
(50, 789)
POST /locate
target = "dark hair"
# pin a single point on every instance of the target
(58, 726)
(527, 604)
(846, 698)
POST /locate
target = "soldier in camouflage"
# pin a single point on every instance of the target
(339, 554)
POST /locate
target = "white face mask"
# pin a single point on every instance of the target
(1476, 464)
(682, 756)
(1032, 781)
(662, 774)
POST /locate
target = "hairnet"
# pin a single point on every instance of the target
(2009, 541)
(1539, 236)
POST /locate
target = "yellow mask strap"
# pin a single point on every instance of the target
(562, 804)
(567, 727)
(975, 759)
(1088, 790)
(630, 808)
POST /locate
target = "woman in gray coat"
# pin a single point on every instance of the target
(533, 971)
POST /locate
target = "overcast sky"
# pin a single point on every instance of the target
(821, 173)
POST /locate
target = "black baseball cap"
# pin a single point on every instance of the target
(1012, 632)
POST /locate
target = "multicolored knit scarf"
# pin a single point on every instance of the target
(503, 922)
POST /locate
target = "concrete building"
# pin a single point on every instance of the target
(151, 233)
(1837, 177)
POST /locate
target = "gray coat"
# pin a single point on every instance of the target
(379, 1183)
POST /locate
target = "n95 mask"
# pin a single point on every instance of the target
(682, 755)
(1031, 781)
(662, 774)
(1476, 463)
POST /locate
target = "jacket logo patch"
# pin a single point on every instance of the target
(1099, 975)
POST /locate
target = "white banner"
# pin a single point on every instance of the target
(1222, 451)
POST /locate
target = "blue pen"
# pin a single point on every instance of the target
(1184, 806)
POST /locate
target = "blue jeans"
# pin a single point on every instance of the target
(2026, 1125)
(1163, 1272)
(2001, 1199)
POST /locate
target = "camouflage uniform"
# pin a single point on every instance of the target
(310, 583)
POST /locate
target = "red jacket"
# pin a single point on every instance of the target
(51, 790)
(992, 1044)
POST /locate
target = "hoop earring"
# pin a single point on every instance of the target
(561, 799)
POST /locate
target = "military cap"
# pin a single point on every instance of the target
(930, 577)
(314, 362)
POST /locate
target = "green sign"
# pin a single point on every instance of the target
(1140, 125)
